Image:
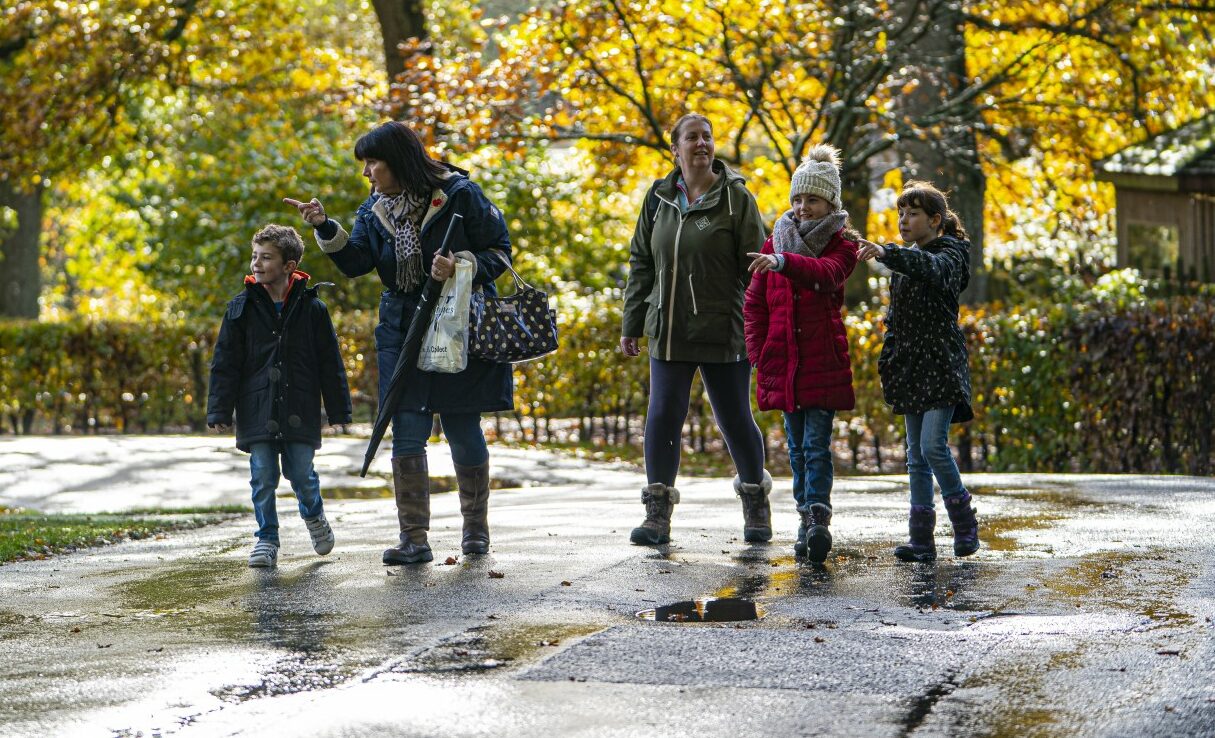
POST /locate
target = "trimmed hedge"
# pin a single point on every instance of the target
(1096, 388)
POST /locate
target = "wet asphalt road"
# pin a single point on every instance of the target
(1089, 611)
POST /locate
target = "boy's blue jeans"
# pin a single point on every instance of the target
(809, 435)
(264, 472)
(928, 455)
(411, 430)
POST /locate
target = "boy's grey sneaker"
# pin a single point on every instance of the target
(265, 554)
(322, 534)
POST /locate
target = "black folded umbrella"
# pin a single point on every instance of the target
(407, 362)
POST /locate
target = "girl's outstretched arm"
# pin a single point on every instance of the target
(947, 270)
(826, 273)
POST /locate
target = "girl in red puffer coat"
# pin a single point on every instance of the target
(795, 334)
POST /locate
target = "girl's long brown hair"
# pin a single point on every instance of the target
(926, 197)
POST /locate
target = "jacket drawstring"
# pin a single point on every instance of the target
(729, 200)
(692, 290)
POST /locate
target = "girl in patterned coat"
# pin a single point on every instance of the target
(796, 337)
(923, 365)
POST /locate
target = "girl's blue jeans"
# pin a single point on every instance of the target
(264, 475)
(809, 435)
(928, 456)
(411, 430)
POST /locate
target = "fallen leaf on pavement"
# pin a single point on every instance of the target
(495, 574)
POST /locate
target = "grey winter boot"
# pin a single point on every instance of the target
(965, 526)
(474, 506)
(818, 535)
(411, 482)
(921, 523)
(799, 547)
(660, 501)
(757, 513)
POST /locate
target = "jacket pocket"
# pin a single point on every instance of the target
(653, 313)
(711, 322)
(257, 383)
(837, 335)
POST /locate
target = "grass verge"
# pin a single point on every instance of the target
(27, 535)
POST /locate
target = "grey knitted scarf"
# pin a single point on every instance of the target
(809, 237)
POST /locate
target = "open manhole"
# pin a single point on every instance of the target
(705, 610)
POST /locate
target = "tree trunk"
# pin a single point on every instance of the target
(20, 241)
(399, 20)
(946, 153)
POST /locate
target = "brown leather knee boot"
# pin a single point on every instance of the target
(473, 482)
(411, 482)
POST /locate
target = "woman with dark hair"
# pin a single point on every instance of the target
(688, 271)
(397, 233)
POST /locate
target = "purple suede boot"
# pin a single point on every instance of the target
(965, 526)
(921, 523)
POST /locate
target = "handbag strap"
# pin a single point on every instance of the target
(520, 283)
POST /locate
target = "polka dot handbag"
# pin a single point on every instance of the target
(512, 328)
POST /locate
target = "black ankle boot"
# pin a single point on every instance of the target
(818, 534)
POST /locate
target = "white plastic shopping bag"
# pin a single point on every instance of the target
(445, 347)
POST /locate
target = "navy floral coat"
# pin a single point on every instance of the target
(923, 364)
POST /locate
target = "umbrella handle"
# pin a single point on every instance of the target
(455, 217)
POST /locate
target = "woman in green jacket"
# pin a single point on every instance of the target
(688, 275)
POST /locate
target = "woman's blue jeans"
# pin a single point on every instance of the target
(411, 430)
(809, 435)
(928, 456)
(264, 475)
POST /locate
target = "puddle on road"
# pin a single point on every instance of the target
(1144, 582)
(705, 610)
(1064, 496)
(185, 587)
(14, 624)
(489, 647)
(295, 673)
(996, 533)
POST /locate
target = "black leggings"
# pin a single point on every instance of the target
(729, 388)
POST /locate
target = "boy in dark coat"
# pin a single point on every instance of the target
(277, 355)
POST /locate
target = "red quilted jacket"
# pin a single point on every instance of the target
(795, 334)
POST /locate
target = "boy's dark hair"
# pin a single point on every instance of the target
(395, 144)
(926, 197)
(284, 238)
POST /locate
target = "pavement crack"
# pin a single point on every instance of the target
(923, 705)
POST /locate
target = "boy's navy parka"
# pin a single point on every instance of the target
(924, 364)
(274, 368)
(483, 386)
